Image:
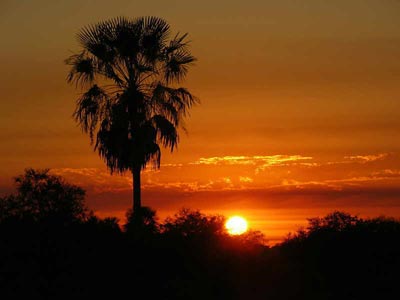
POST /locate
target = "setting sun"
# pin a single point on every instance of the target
(236, 225)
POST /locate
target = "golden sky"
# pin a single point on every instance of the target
(300, 109)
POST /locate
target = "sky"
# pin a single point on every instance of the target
(299, 112)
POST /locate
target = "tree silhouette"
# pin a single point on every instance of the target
(189, 223)
(143, 224)
(131, 105)
(335, 221)
(44, 197)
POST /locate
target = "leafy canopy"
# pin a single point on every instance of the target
(41, 196)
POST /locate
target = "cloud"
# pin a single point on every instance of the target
(225, 160)
(171, 165)
(367, 158)
(340, 184)
(95, 179)
(245, 179)
(223, 183)
(279, 160)
(261, 162)
(388, 173)
(294, 172)
(209, 178)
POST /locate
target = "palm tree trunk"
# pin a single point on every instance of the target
(137, 201)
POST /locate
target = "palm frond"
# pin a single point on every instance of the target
(177, 65)
(166, 131)
(112, 144)
(82, 70)
(173, 102)
(155, 33)
(89, 109)
(177, 43)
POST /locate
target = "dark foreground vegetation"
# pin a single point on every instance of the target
(52, 247)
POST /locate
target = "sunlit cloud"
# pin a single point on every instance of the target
(279, 160)
(171, 165)
(216, 174)
(260, 162)
(227, 160)
(338, 184)
(218, 184)
(245, 179)
(367, 158)
(388, 173)
(227, 180)
(95, 179)
(302, 185)
(269, 160)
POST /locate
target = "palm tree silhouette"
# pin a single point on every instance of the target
(129, 70)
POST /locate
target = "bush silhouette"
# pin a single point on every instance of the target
(141, 224)
(349, 257)
(41, 196)
(192, 223)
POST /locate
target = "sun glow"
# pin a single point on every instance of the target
(236, 225)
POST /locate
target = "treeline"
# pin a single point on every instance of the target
(53, 247)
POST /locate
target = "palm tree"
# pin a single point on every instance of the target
(129, 70)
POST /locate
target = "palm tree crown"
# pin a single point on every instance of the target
(129, 70)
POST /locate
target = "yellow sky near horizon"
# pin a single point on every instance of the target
(299, 109)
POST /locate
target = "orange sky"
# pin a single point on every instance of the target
(300, 107)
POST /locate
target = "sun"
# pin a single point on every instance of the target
(236, 225)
